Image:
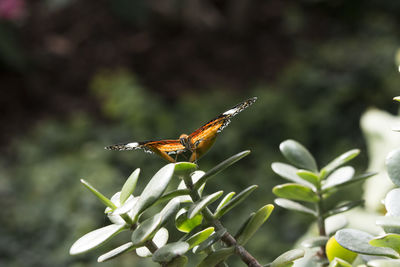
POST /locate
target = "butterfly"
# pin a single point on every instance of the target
(196, 143)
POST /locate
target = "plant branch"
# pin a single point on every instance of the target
(321, 222)
(227, 238)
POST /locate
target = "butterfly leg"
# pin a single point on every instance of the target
(163, 154)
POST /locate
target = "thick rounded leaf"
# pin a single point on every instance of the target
(169, 209)
(216, 257)
(392, 202)
(298, 155)
(235, 201)
(220, 167)
(393, 166)
(339, 176)
(214, 237)
(384, 263)
(170, 251)
(336, 262)
(335, 223)
(184, 224)
(126, 207)
(358, 241)
(195, 177)
(315, 242)
(339, 161)
(288, 257)
(389, 224)
(129, 186)
(295, 192)
(199, 237)
(146, 230)
(389, 240)
(309, 177)
(292, 205)
(362, 177)
(159, 239)
(154, 189)
(184, 168)
(343, 207)
(224, 201)
(96, 238)
(99, 195)
(116, 252)
(290, 173)
(178, 262)
(255, 223)
(197, 207)
(172, 194)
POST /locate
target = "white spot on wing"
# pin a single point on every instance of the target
(230, 112)
(132, 145)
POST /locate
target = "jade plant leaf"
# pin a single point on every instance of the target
(393, 166)
(146, 230)
(99, 195)
(116, 252)
(255, 223)
(388, 240)
(339, 176)
(288, 257)
(309, 177)
(202, 203)
(358, 241)
(214, 237)
(96, 238)
(390, 224)
(235, 201)
(315, 242)
(184, 224)
(326, 187)
(216, 257)
(292, 205)
(224, 201)
(298, 155)
(154, 189)
(342, 159)
(220, 167)
(170, 251)
(343, 207)
(159, 239)
(129, 186)
(384, 263)
(290, 173)
(336, 262)
(392, 202)
(199, 237)
(295, 192)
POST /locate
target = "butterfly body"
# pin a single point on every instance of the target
(197, 143)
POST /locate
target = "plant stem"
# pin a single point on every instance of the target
(227, 238)
(321, 223)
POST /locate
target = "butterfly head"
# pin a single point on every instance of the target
(185, 141)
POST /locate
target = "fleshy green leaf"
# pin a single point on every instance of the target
(184, 168)
(129, 186)
(309, 177)
(336, 262)
(224, 201)
(388, 240)
(222, 166)
(169, 209)
(315, 242)
(290, 173)
(292, 205)
(339, 176)
(295, 192)
(214, 237)
(172, 194)
(254, 223)
(335, 223)
(146, 230)
(170, 251)
(195, 176)
(393, 166)
(95, 238)
(154, 189)
(99, 195)
(344, 207)
(342, 159)
(202, 203)
(159, 239)
(216, 257)
(288, 257)
(392, 202)
(178, 262)
(184, 224)
(390, 224)
(298, 155)
(384, 263)
(116, 252)
(356, 179)
(235, 201)
(199, 237)
(358, 241)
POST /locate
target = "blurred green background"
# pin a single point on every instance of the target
(76, 76)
